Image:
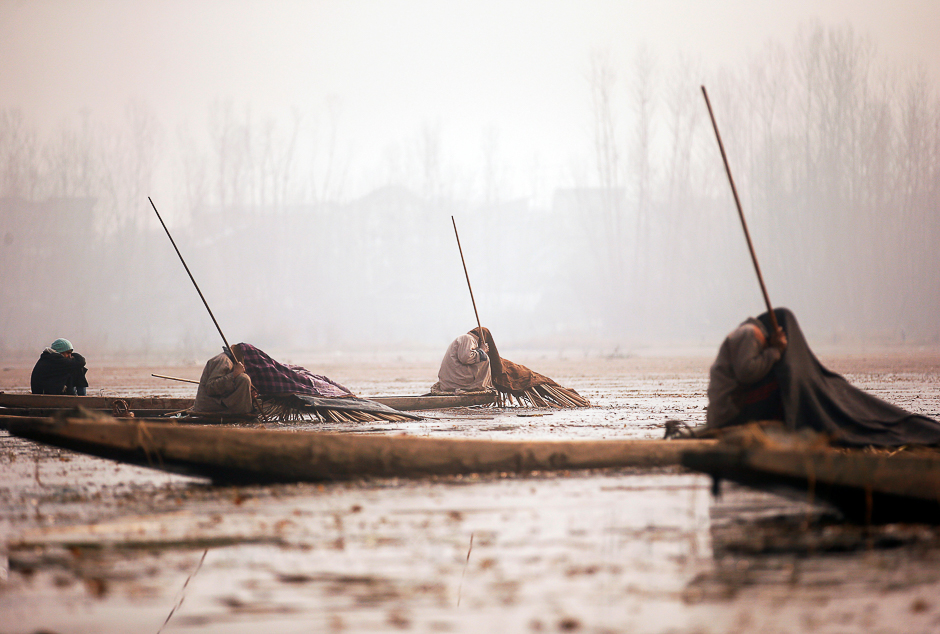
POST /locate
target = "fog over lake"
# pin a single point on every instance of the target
(308, 157)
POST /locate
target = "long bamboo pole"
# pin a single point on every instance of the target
(174, 378)
(205, 303)
(467, 275)
(737, 201)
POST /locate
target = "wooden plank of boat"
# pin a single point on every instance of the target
(16, 412)
(414, 403)
(868, 486)
(266, 455)
(53, 401)
(41, 404)
(206, 419)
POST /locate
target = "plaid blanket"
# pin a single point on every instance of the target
(271, 377)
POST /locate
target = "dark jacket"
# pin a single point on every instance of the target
(744, 359)
(56, 374)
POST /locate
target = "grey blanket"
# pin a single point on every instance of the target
(817, 398)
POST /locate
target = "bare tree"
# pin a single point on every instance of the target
(429, 151)
(284, 164)
(914, 154)
(609, 171)
(808, 70)
(230, 150)
(19, 156)
(684, 113)
(329, 175)
(71, 161)
(492, 182)
(641, 164)
(193, 173)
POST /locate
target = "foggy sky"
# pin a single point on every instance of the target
(514, 77)
(388, 68)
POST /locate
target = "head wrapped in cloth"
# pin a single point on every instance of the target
(61, 345)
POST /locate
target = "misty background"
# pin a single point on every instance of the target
(582, 171)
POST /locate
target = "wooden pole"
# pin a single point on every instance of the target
(173, 378)
(205, 303)
(737, 201)
(464, 262)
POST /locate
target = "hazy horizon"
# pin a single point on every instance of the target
(505, 74)
(308, 157)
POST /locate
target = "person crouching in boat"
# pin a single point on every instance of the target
(224, 387)
(60, 370)
(465, 367)
(808, 395)
(741, 386)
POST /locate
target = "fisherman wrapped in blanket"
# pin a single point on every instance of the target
(224, 387)
(741, 386)
(227, 384)
(755, 379)
(465, 367)
(59, 370)
(473, 363)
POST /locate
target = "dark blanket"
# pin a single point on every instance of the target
(821, 400)
(272, 377)
(57, 374)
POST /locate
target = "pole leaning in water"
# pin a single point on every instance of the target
(464, 262)
(737, 201)
(205, 303)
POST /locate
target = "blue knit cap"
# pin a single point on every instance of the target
(61, 345)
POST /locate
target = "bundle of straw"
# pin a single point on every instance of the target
(292, 408)
(544, 395)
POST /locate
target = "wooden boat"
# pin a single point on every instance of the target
(868, 486)
(47, 404)
(229, 454)
(448, 401)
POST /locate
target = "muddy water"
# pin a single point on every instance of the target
(91, 545)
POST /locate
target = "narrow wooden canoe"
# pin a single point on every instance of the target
(416, 403)
(52, 401)
(867, 486)
(45, 404)
(48, 404)
(227, 454)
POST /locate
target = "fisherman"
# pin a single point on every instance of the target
(473, 363)
(741, 385)
(224, 386)
(465, 367)
(60, 370)
(783, 380)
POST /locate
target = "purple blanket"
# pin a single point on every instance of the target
(271, 377)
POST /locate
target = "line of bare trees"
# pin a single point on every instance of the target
(837, 158)
(836, 155)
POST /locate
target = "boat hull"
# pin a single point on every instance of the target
(47, 404)
(869, 487)
(254, 455)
